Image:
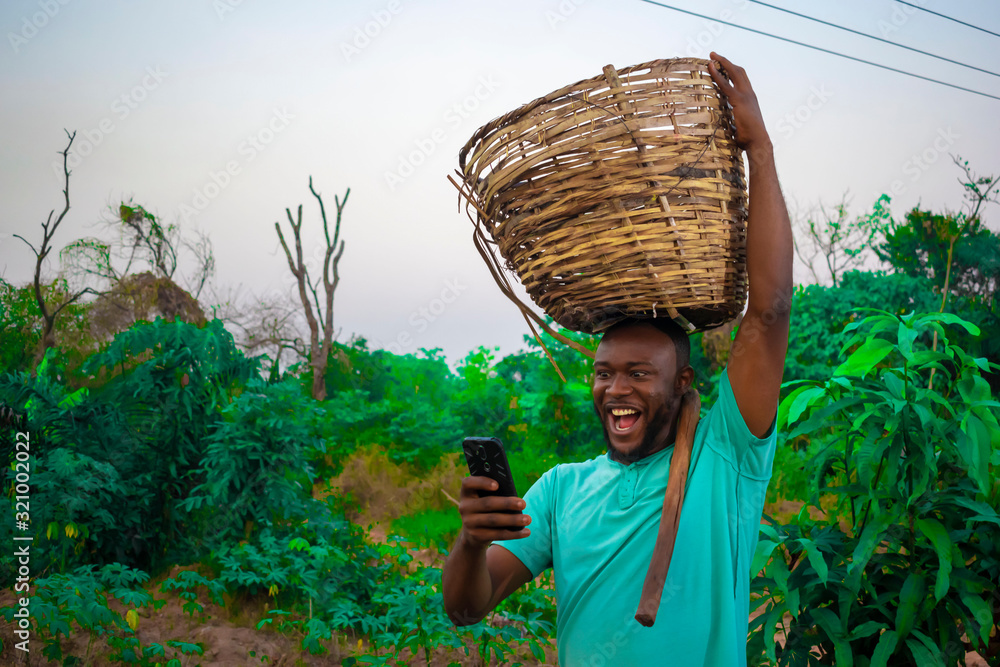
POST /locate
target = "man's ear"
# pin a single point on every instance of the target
(684, 380)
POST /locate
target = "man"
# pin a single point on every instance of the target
(595, 523)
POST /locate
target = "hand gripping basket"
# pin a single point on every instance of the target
(618, 196)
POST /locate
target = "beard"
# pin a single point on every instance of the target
(657, 424)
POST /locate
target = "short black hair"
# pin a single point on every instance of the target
(679, 337)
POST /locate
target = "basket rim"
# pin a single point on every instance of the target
(524, 109)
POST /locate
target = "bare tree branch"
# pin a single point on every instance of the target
(834, 241)
(48, 231)
(319, 350)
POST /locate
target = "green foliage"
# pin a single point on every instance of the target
(21, 325)
(419, 408)
(430, 527)
(82, 598)
(907, 560)
(919, 247)
(187, 583)
(121, 458)
(821, 313)
(262, 456)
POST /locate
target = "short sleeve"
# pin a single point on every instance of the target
(535, 551)
(751, 455)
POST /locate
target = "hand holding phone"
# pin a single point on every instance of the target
(488, 503)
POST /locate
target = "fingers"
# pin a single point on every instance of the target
(473, 485)
(717, 77)
(734, 71)
(725, 62)
(737, 75)
(481, 529)
(470, 503)
(496, 521)
(489, 518)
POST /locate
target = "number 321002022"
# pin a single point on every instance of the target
(22, 447)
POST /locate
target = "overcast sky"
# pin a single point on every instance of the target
(213, 115)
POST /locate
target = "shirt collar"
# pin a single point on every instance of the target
(641, 463)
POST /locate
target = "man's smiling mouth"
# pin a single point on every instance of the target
(624, 419)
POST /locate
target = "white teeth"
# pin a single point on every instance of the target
(618, 412)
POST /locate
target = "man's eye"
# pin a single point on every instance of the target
(638, 374)
(603, 375)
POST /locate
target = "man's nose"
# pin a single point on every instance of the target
(619, 386)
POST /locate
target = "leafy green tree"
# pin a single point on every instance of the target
(22, 325)
(902, 569)
(120, 458)
(927, 244)
(822, 312)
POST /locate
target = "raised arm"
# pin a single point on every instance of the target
(757, 357)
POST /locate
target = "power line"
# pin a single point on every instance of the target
(864, 34)
(948, 17)
(819, 48)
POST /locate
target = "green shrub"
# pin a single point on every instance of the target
(430, 527)
(904, 569)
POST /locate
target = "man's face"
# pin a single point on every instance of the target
(637, 391)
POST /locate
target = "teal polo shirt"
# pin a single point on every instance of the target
(595, 524)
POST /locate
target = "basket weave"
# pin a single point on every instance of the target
(618, 196)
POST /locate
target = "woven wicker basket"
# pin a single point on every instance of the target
(619, 196)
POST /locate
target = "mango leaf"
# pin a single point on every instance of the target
(885, 648)
(761, 555)
(981, 612)
(924, 656)
(829, 622)
(866, 629)
(906, 335)
(938, 537)
(871, 352)
(815, 559)
(977, 450)
(947, 318)
(983, 363)
(870, 537)
(983, 510)
(769, 626)
(910, 597)
(796, 403)
(974, 388)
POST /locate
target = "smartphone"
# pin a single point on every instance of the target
(487, 458)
